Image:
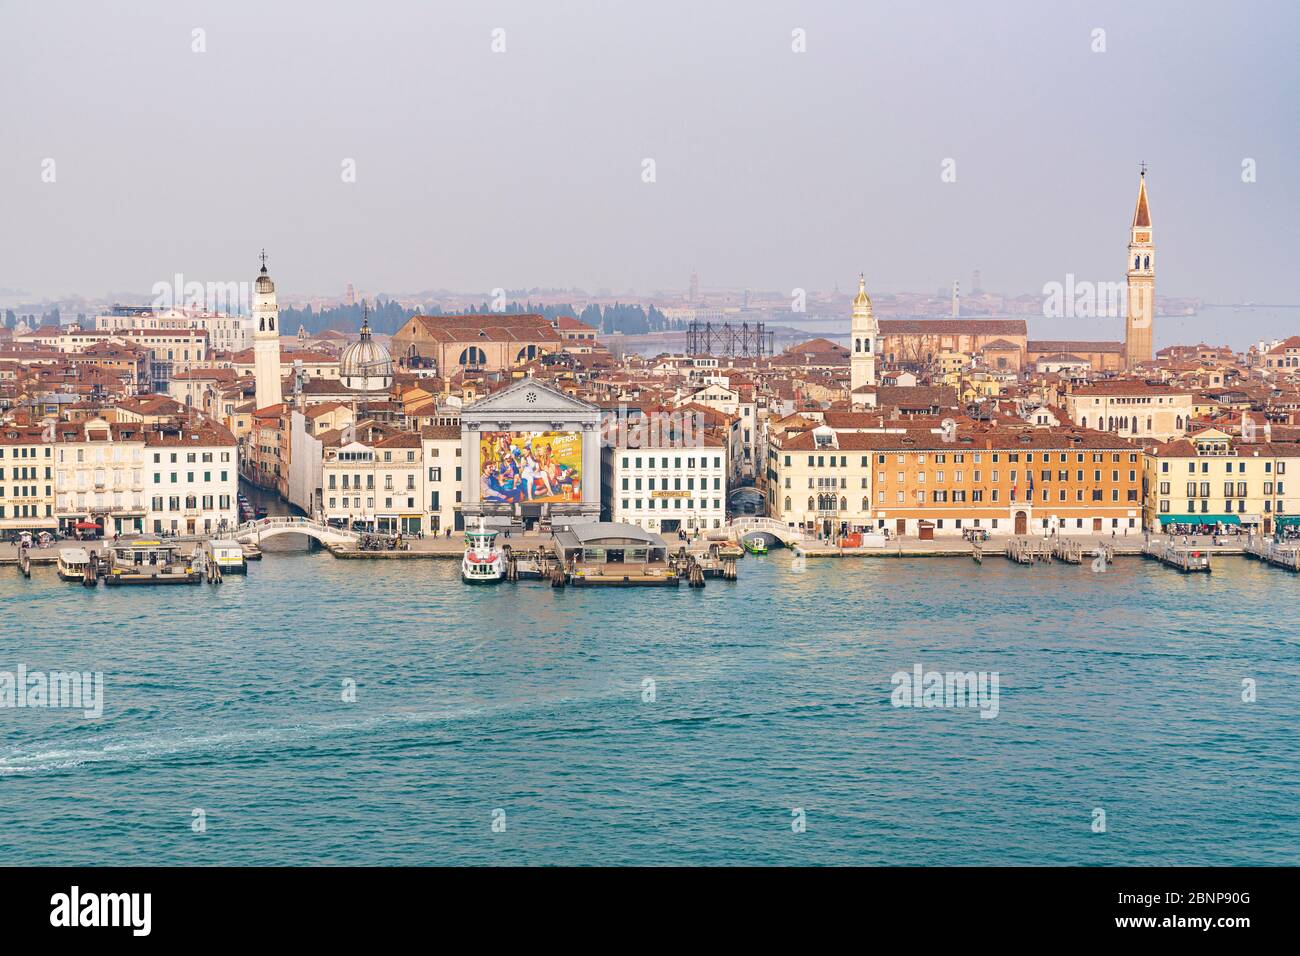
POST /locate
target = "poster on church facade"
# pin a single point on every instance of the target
(530, 466)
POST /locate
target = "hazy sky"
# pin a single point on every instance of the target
(774, 169)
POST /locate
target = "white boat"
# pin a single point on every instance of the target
(482, 563)
(72, 563)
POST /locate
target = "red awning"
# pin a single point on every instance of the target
(87, 526)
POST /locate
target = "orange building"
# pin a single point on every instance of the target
(1006, 480)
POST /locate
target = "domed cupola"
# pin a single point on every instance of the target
(366, 365)
(264, 285)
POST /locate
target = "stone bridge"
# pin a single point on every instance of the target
(252, 532)
(751, 525)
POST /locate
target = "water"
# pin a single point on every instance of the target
(1119, 691)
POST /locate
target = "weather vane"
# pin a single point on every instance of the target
(1143, 167)
(263, 257)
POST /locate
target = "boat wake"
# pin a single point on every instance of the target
(138, 748)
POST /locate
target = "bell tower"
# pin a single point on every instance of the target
(864, 334)
(266, 340)
(1141, 282)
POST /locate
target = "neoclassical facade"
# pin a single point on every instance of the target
(529, 452)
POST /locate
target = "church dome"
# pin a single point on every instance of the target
(366, 364)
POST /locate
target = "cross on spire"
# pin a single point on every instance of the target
(1143, 167)
(263, 258)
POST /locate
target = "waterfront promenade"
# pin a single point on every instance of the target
(442, 547)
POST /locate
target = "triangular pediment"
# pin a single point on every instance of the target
(528, 395)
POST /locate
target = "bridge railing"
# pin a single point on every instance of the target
(771, 526)
(293, 523)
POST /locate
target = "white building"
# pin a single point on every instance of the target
(443, 477)
(192, 478)
(226, 333)
(666, 489)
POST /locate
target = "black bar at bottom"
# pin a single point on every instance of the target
(338, 905)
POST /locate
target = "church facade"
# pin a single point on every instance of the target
(530, 452)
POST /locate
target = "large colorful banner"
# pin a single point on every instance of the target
(530, 466)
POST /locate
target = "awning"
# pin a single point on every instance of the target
(1285, 521)
(1199, 519)
(87, 526)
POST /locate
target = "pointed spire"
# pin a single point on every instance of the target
(1142, 215)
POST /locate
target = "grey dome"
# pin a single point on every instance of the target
(365, 359)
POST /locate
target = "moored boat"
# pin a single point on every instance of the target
(72, 563)
(754, 545)
(482, 563)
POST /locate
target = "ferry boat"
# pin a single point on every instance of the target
(754, 545)
(228, 556)
(73, 563)
(482, 563)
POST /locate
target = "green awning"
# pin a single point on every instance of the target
(1199, 519)
(1284, 521)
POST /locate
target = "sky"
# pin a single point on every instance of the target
(773, 169)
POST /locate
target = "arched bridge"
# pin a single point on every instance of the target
(757, 524)
(251, 532)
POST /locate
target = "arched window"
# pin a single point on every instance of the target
(811, 506)
(473, 356)
(787, 502)
(866, 503)
(844, 504)
(1146, 263)
(1178, 423)
(1137, 262)
(1083, 422)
